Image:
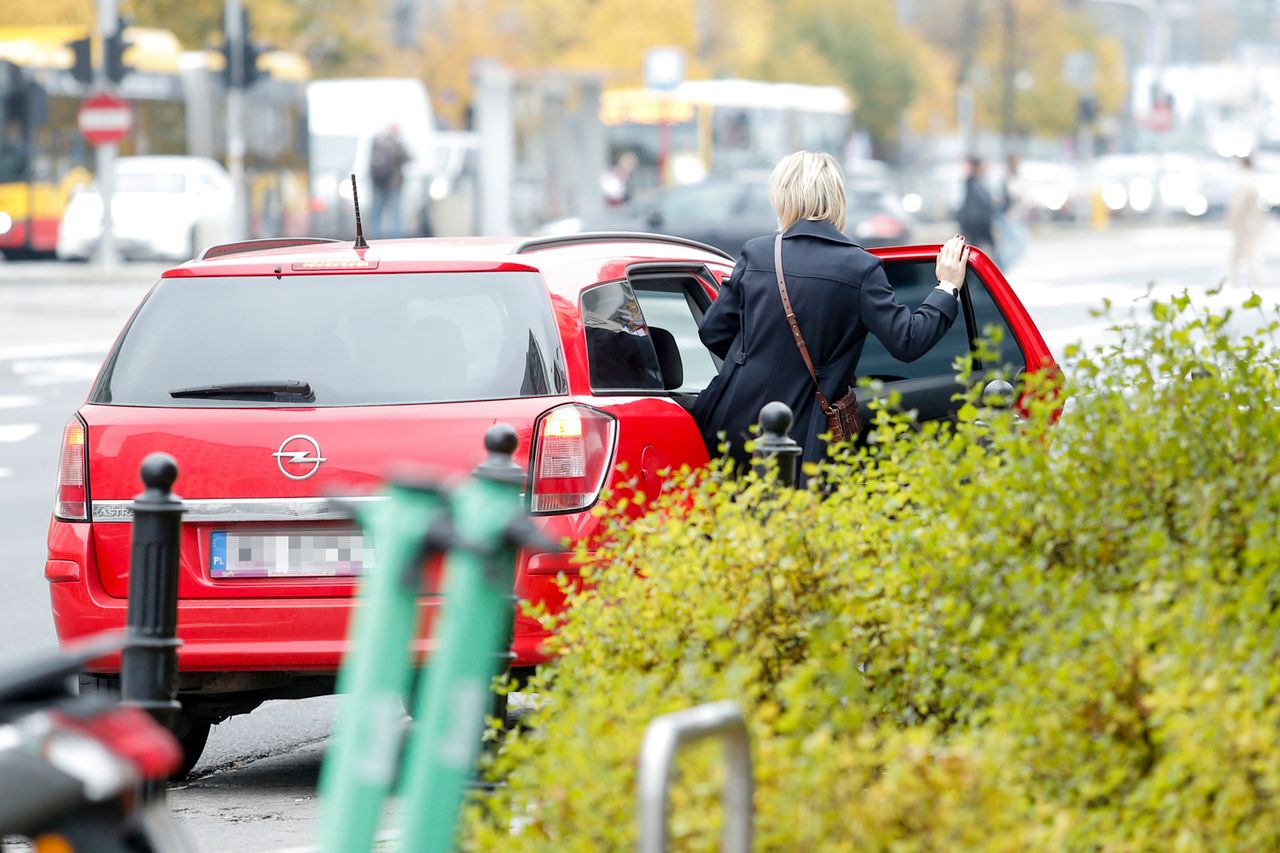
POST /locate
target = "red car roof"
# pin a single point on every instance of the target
(598, 255)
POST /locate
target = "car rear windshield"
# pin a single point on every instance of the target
(348, 339)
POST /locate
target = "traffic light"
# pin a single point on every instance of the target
(249, 51)
(113, 53)
(82, 65)
(252, 50)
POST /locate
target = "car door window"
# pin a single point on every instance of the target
(671, 304)
(620, 353)
(992, 325)
(912, 281)
(929, 385)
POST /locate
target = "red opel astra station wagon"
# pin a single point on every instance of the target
(279, 373)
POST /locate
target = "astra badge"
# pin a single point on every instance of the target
(299, 457)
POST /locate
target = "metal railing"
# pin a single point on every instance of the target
(663, 740)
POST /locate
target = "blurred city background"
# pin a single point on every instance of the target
(514, 116)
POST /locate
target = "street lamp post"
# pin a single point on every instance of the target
(234, 22)
(105, 154)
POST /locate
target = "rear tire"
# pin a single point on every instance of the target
(191, 732)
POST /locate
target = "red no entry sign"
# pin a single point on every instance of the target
(104, 119)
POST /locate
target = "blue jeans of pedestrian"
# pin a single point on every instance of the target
(386, 206)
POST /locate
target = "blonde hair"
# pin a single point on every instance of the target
(808, 185)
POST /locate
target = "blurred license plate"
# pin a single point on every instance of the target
(340, 552)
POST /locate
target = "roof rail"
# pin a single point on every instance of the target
(539, 243)
(236, 248)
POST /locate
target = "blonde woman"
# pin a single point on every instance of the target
(838, 293)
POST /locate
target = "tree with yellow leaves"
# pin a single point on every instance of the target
(898, 75)
(1024, 56)
(858, 44)
(338, 37)
(1014, 53)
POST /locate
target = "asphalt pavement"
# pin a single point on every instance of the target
(255, 787)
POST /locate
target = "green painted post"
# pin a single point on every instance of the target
(361, 763)
(472, 639)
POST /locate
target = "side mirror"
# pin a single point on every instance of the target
(998, 394)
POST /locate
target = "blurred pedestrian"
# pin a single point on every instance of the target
(1246, 219)
(617, 181)
(977, 212)
(387, 158)
(837, 293)
(1012, 230)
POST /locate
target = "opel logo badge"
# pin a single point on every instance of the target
(299, 457)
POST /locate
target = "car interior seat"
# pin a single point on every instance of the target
(669, 361)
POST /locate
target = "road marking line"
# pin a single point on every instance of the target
(18, 401)
(63, 350)
(17, 432)
(1089, 294)
(5, 472)
(55, 371)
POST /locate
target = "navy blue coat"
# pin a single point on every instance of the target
(839, 293)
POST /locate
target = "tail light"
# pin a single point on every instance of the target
(572, 452)
(73, 489)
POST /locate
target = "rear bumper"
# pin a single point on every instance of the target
(248, 634)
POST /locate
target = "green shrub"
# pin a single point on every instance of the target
(1002, 634)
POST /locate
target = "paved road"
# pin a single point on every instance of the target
(254, 789)
(56, 323)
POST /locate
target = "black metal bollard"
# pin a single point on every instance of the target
(775, 443)
(149, 663)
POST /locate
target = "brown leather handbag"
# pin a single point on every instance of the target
(843, 420)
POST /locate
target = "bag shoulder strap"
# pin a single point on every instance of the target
(791, 320)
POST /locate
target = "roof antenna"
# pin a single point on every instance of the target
(355, 198)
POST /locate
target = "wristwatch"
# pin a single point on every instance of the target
(947, 287)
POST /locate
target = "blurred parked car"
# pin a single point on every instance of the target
(869, 175)
(1053, 190)
(1175, 184)
(163, 207)
(727, 213)
(933, 193)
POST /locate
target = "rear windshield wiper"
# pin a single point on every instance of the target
(293, 388)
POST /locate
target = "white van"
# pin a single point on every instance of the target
(344, 117)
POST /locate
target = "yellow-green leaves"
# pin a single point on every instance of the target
(997, 634)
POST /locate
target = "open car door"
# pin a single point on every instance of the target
(988, 308)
